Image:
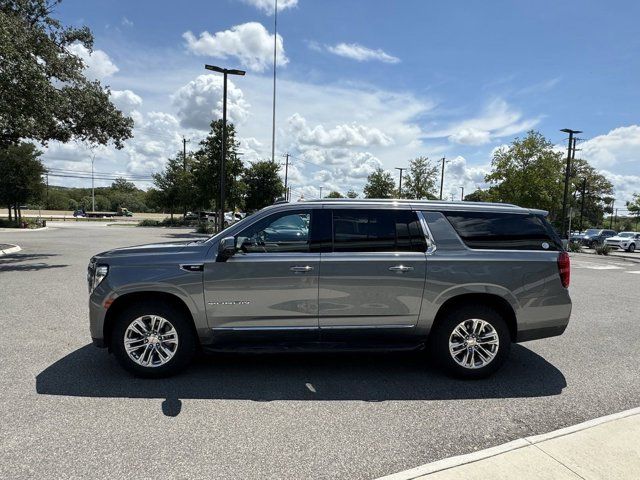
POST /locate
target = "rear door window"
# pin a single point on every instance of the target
(377, 231)
(504, 231)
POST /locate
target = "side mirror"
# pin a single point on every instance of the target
(226, 249)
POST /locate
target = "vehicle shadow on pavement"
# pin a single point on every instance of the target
(16, 262)
(90, 372)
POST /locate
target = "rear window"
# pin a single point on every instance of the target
(504, 231)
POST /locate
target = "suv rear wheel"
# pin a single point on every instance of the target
(153, 340)
(471, 341)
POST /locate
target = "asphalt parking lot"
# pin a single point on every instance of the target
(68, 410)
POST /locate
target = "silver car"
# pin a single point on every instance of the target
(461, 280)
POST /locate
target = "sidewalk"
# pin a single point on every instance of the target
(606, 448)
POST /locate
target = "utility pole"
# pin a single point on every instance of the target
(225, 72)
(184, 153)
(286, 174)
(453, 197)
(616, 219)
(47, 174)
(400, 186)
(567, 174)
(320, 192)
(442, 177)
(462, 194)
(275, 44)
(584, 187)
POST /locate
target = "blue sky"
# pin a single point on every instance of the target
(367, 83)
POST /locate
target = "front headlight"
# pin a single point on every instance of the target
(99, 273)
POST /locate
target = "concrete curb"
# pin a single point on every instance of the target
(12, 249)
(21, 230)
(456, 461)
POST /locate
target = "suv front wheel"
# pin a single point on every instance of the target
(153, 340)
(471, 341)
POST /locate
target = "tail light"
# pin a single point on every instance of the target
(564, 268)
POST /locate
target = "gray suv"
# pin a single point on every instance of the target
(461, 280)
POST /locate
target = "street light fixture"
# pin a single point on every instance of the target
(225, 72)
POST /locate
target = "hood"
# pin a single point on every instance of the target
(151, 253)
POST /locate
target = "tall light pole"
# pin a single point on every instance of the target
(400, 185)
(225, 72)
(442, 177)
(462, 194)
(275, 45)
(93, 192)
(567, 174)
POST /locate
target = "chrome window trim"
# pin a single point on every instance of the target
(431, 244)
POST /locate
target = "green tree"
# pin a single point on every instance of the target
(529, 173)
(479, 195)
(21, 174)
(334, 194)
(352, 194)
(380, 184)
(598, 192)
(421, 180)
(123, 185)
(634, 207)
(262, 185)
(44, 94)
(206, 168)
(175, 185)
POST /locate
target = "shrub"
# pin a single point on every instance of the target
(147, 222)
(603, 249)
(575, 247)
(205, 227)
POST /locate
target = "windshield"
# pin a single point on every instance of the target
(592, 231)
(625, 234)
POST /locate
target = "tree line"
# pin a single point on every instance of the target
(529, 172)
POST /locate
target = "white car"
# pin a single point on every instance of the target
(624, 240)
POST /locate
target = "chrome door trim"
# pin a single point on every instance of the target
(361, 327)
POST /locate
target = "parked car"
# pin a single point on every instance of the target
(462, 280)
(594, 237)
(625, 241)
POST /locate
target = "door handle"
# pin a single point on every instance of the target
(400, 268)
(300, 269)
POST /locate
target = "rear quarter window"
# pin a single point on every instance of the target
(504, 231)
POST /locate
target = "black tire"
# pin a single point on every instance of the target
(593, 244)
(439, 340)
(187, 341)
(632, 248)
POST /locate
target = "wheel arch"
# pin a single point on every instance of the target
(121, 303)
(496, 302)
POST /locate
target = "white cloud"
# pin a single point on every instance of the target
(267, 6)
(250, 43)
(126, 22)
(360, 53)
(126, 100)
(497, 120)
(97, 63)
(624, 186)
(348, 135)
(200, 101)
(620, 145)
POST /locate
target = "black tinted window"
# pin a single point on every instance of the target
(509, 231)
(281, 232)
(376, 231)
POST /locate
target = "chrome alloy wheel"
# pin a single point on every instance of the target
(473, 343)
(150, 341)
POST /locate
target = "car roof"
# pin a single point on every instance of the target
(418, 204)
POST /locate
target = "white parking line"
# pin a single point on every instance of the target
(633, 271)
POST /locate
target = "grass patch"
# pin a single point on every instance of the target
(603, 249)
